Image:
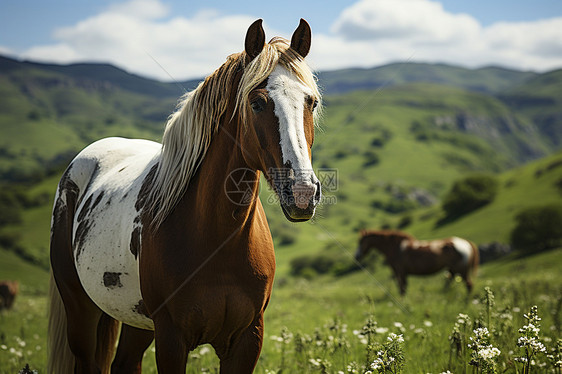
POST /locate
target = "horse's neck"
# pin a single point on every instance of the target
(386, 244)
(207, 198)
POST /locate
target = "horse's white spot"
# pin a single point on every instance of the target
(463, 247)
(107, 265)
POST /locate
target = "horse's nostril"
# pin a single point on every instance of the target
(303, 194)
(318, 193)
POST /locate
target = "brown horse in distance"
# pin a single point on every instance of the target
(408, 255)
(8, 292)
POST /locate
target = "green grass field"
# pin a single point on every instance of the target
(312, 325)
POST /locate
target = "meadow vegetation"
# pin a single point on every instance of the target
(358, 323)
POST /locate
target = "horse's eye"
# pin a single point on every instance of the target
(312, 103)
(258, 105)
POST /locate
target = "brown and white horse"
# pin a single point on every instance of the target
(8, 291)
(407, 255)
(171, 239)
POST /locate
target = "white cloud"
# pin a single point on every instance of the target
(6, 51)
(56, 52)
(372, 32)
(541, 38)
(422, 21)
(129, 34)
(367, 33)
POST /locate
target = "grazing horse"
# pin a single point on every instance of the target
(171, 239)
(407, 255)
(8, 292)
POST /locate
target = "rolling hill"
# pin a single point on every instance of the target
(488, 80)
(396, 136)
(48, 112)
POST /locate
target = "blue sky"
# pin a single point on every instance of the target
(190, 39)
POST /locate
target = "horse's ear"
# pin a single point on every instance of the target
(300, 41)
(255, 39)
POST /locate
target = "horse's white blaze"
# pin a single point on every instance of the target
(463, 247)
(289, 95)
(114, 169)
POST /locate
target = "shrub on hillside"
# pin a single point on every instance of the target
(394, 206)
(308, 266)
(371, 159)
(404, 222)
(469, 194)
(284, 233)
(538, 228)
(10, 206)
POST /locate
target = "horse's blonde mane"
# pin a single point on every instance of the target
(190, 129)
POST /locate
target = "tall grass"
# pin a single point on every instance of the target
(352, 325)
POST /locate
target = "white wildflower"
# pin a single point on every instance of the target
(381, 330)
(489, 352)
(15, 352)
(204, 350)
(393, 337)
(377, 364)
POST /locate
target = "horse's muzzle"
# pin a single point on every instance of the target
(299, 201)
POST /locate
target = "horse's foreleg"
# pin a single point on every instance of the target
(171, 348)
(402, 283)
(449, 280)
(243, 353)
(466, 277)
(132, 344)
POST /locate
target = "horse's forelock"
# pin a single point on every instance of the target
(276, 52)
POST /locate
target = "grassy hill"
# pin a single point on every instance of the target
(396, 149)
(537, 183)
(540, 99)
(96, 74)
(488, 80)
(49, 112)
